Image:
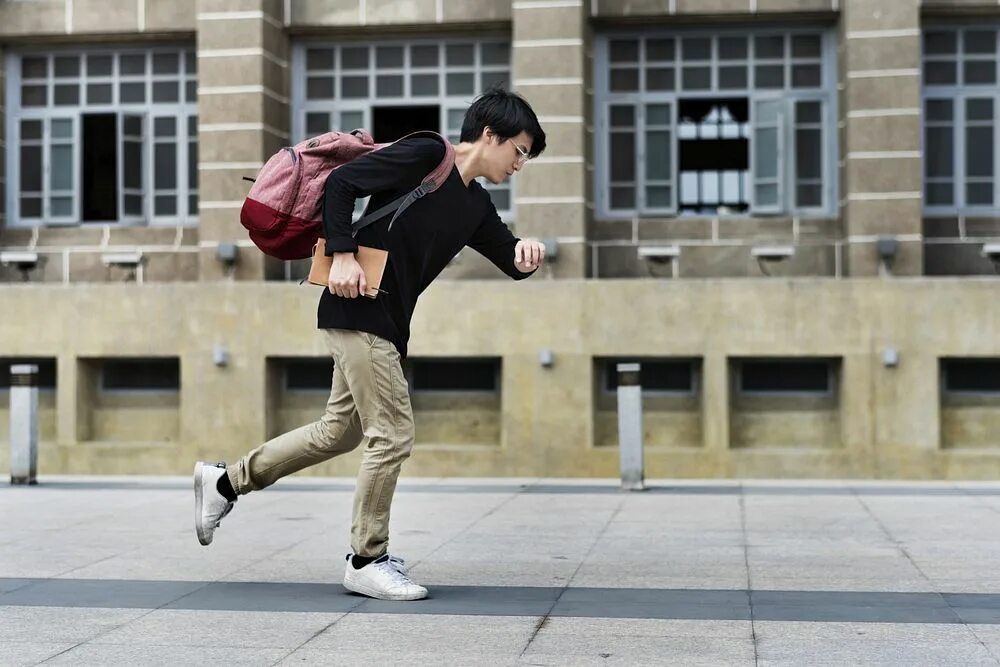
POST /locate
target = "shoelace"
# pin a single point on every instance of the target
(397, 577)
(396, 561)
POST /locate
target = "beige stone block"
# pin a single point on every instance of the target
(242, 108)
(400, 12)
(71, 236)
(561, 140)
(168, 267)
(755, 229)
(552, 180)
(547, 61)
(554, 99)
(713, 6)
(250, 266)
(175, 16)
(883, 216)
(620, 261)
(119, 235)
(791, 428)
(867, 15)
(795, 6)
(225, 184)
(879, 175)
(714, 261)
(861, 259)
(675, 229)
(820, 228)
(234, 145)
(235, 34)
(42, 17)
(632, 7)
(883, 53)
(325, 13)
(475, 11)
(235, 71)
(93, 16)
(610, 230)
(270, 7)
(221, 224)
(549, 23)
(882, 133)
(892, 92)
(551, 220)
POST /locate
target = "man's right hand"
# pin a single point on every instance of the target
(347, 278)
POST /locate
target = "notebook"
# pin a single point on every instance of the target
(372, 261)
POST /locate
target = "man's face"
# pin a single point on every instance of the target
(504, 158)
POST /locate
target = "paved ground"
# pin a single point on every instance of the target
(527, 572)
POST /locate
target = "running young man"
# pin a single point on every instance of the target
(369, 402)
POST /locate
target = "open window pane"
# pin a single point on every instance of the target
(767, 147)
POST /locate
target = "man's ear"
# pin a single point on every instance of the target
(489, 134)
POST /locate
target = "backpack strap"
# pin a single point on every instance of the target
(431, 182)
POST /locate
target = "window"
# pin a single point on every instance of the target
(140, 375)
(970, 376)
(453, 375)
(709, 124)
(786, 376)
(961, 99)
(46, 371)
(308, 374)
(394, 88)
(103, 136)
(664, 376)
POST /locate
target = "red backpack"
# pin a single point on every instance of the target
(284, 209)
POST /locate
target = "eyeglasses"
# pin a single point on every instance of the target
(522, 155)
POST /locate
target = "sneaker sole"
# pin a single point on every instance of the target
(199, 526)
(372, 593)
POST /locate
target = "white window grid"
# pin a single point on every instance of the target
(961, 75)
(807, 63)
(336, 86)
(66, 84)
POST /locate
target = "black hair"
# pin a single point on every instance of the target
(507, 114)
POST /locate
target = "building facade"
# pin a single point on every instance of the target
(787, 210)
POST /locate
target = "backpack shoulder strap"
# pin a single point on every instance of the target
(431, 182)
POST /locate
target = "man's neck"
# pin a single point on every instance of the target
(467, 161)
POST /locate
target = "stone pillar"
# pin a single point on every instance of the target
(881, 181)
(551, 67)
(243, 118)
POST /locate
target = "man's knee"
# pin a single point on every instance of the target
(331, 434)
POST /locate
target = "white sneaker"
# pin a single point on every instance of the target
(397, 562)
(210, 506)
(380, 579)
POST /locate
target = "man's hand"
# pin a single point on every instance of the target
(347, 279)
(528, 255)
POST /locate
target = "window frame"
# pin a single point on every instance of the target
(826, 95)
(183, 110)
(959, 93)
(338, 106)
(832, 378)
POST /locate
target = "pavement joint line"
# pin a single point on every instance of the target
(548, 614)
(902, 548)
(746, 563)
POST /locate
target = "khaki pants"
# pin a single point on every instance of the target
(369, 402)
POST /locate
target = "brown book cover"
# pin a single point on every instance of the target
(372, 261)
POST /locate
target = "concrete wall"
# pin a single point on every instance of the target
(883, 422)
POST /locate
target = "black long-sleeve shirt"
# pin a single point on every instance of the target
(422, 241)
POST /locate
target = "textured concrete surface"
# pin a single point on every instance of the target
(529, 572)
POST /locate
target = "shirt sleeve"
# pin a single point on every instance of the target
(398, 167)
(494, 241)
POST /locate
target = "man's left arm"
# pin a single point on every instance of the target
(518, 258)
